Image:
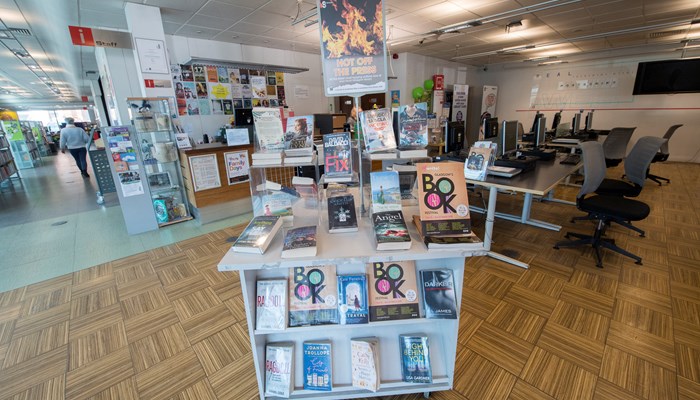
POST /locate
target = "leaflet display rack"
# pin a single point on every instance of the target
(350, 253)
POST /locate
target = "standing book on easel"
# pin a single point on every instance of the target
(337, 152)
(413, 130)
(481, 156)
(377, 130)
(442, 199)
(269, 136)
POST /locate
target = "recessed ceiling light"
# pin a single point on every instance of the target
(20, 52)
(198, 31)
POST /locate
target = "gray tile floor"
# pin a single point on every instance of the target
(33, 249)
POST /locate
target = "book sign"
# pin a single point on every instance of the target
(353, 46)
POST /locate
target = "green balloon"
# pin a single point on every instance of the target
(428, 84)
(417, 92)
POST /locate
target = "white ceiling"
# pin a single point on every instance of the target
(565, 30)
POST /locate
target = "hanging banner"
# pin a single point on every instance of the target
(488, 101)
(460, 95)
(353, 46)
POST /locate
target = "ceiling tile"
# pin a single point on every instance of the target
(183, 5)
(197, 32)
(223, 10)
(170, 28)
(250, 29)
(210, 22)
(103, 5)
(256, 3)
(269, 18)
(97, 19)
(172, 15)
(413, 5)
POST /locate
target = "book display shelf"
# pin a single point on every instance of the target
(7, 162)
(22, 144)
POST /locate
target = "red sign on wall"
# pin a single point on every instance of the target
(84, 98)
(149, 83)
(81, 36)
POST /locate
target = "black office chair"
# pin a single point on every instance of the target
(615, 145)
(603, 208)
(662, 155)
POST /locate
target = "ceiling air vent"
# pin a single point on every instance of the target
(657, 35)
(20, 31)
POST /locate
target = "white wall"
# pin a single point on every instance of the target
(117, 70)
(182, 49)
(515, 85)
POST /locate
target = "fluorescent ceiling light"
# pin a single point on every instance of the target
(553, 62)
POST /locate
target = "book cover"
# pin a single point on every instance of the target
(377, 130)
(279, 369)
(299, 135)
(415, 359)
(386, 191)
(364, 354)
(442, 199)
(407, 182)
(274, 203)
(477, 162)
(341, 214)
(258, 234)
(337, 149)
(268, 129)
(271, 304)
(390, 230)
(212, 74)
(313, 296)
(318, 372)
(413, 126)
(439, 300)
(352, 299)
(392, 289)
(300, 242)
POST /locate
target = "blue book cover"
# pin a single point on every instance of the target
(386, 191)
(317, 366)
(415, 359)
(352, 299)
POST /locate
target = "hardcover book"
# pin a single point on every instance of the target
(352, 299)
(442, 199)
(300, 242)
(439, 300)
(341, 214)
(337, 150)
(393, 292)
(318, 371)
(390, 231)
(299, 136)
(271, 304)
(279, 369)
(386, 191)
(256, 237)
(413, 126)
(415, 359)
(313, 296)
(377, 130)
(364, 353)
(268, 129)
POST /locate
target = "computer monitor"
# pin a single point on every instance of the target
(509, 138)
(556, 120)
(243, 116)
(540, 129)
(576, 123)
(589, 121)
(454, 136)
(490, 128)
(534, 122)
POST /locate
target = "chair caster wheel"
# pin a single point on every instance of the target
(556, 247)
(638, 263)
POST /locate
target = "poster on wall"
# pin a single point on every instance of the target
(460, 97)
(152, 56)
(130, 183)
(205, 172)
(488, 101)
(237, 167)
(353, 47)
(395, 98)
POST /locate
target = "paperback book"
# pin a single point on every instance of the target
(318, 363)
(439, 300)
(337, 150)
(442, 199)
(300, 242)
(393, 292)
(413, 126)
(352, 299)
(390, 231)
(407, 182)
(341, 214)
(268, 130)
(480, 157)
(256, 237)
(466, 241)
(364, 353)
(299, 135)
(279, 369)
(386, 191)
(415, 359)
(271, 305)
(274, 203)
(377, 130)
(313, 296)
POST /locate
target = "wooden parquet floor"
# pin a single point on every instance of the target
(165, 324)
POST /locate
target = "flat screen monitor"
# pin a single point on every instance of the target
(556, 120)
(534, 122)
(540, 130)
(576, 123)
(509, 137)
(455, 136)
(589, 121)
(243, 116)
(490, 128)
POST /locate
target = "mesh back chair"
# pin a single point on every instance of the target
(603, 208)
(615, 145)
(663, 154)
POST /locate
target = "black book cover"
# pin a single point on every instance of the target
(439, 294)
(341, 213)
(256, 231)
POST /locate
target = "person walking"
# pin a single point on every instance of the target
(75, 139)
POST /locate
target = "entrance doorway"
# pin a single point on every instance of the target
(366, 102)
